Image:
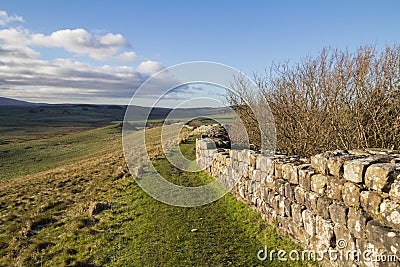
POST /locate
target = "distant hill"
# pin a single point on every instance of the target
(4, 101)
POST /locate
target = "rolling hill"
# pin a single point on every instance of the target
(4, 101)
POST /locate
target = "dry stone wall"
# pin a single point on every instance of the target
(352, 196)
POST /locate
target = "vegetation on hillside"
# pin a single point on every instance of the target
(337, 100)
(88, 211)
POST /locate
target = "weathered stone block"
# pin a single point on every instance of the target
(281, 206)
(335, 165)
(390, 214)
(380, 176)
(253, 160)
(269, 215)
(318, 183)
(379, 151)
(250, 173)
(290, 173)
(351, 194)
(338, 213)
(323, 207)
(359, 152)
(258, 202)
(294, 230)
(270, 182)
(394, 192)
(242, 192)
(370, 201)
(287, 206)
(334, 188)
(305, 173)
(265, 164)
(263, 207)
(309, 222)
(280, 186)
(278, 167)
(235, 165)
(396, 159)
(342, 233)
(205, 144)
(242, 169)
(233, 154)
(354, 170)
(311, 201)
(289, 191)
(256, 175)
(263, 176)
(252, 200)
(384, 237)
(324, 232)
(356, 222)
(272, 200)
(211, 152)
(297, 210)
(265, 194)
(242, 156)
(320, 163)
(252, 186)
(374, 252)
(299, 195)
(275, 202)
(282, 223)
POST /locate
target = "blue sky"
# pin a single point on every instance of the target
(149, 35)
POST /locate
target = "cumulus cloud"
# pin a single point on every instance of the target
(77, 41)
(14, 41)
(25, 75)
(65, 80)
(149, 67)
(81, 42)
(6, 19)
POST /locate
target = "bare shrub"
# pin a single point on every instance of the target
(337, 100)
(239, 100)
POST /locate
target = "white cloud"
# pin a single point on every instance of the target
(25, 75)
(6, 19)
(112, 40)
(15, 41)
(14, 36)
(108, 47)
(149, 67)
(81, 42)
(17, 70)
(66, 80)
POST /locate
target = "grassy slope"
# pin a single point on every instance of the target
(18, 124)
(44, 217)
(17, 159)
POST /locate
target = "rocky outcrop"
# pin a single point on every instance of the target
(218, 134)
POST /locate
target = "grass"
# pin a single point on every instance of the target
(19, 124)
(46, 217)
(18, 159)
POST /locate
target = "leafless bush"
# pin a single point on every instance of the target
(246, 115)
(338, 100)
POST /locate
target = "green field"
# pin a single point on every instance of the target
(68, 200)
(19, 124)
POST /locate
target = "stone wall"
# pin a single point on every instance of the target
(343, 195)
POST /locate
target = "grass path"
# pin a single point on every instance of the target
(46, 219)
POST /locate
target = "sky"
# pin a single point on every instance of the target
(102, 51)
